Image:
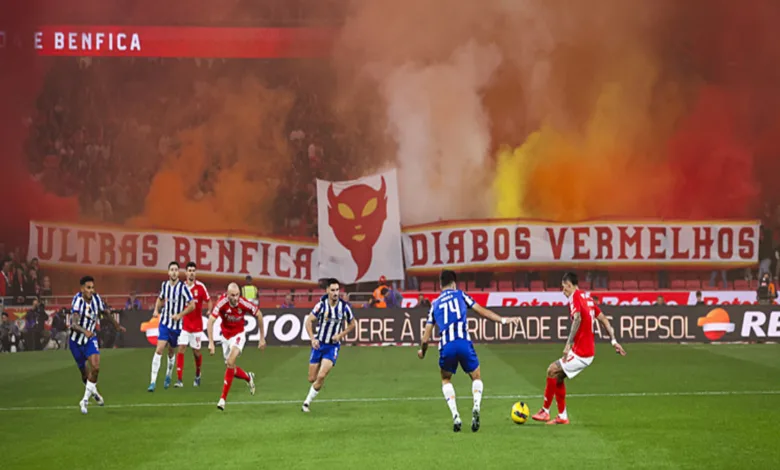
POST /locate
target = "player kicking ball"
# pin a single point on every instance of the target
(448, 313)
(334, 322)
(579, 350)
(231, 308)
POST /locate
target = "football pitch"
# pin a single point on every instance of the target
(662, 406)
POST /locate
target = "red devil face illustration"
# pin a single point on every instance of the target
(356, 216)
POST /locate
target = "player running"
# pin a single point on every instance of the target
(448, 313)
(86, 310)
(332, 313)
(579, 350)
(176, 301)
(192, 326)
(231, 308)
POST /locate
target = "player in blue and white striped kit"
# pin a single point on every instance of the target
(174, 302)
(85, 312)
(334, 322)
(448, 313)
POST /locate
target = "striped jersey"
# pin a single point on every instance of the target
(448, 313)
(89, 314)
(331, 320)
(176, 297)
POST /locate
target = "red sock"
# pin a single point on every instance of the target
(560, 396)
(241, 374)
(229, 373)
(549, 392)
(198, 363)
(179, 365)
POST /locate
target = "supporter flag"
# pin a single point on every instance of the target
(360, 229)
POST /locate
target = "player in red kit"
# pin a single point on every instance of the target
(578, 352)
(231, 308)
(192, 327)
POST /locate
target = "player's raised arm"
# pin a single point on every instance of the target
(310, 319)
(608, 326)
(260, 328)
(187, 294)
(427, 333)
(210, 328)
(575, 326)
(75, 316)
(158, 304)
(351, 324)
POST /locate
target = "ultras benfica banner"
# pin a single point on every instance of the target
(488, 245)
(513, 244)
(229, 256)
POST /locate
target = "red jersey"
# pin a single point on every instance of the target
(584, 340)
(233, 317)
(193, 321)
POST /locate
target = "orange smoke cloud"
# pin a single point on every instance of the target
(589, 109)
(224, 173)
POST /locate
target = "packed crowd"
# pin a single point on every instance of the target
(103, 127)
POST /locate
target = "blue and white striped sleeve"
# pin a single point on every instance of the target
(75, 306)
(186, 293)
(469, 301)
(162, 290)
(315, 311)
(431, 321)
(350, 315)
(101, 304)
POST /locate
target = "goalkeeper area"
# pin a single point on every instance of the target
(661, 406)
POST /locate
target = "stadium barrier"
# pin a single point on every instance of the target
(388, 327)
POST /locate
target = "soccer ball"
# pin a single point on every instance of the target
(520, 412)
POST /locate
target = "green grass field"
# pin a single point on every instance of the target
(662, 406)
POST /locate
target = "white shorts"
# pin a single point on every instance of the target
(574, 364)
(188, 338)
(237, 341)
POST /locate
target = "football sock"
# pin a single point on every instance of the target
(241, 374)
(549, 392)
(156, 359)
(311, 396)
(171, 363)
(449, 394)
(560, 397)
(89, 389)
(229, 373)
(179, 365)
(198, 363)
(476, 388)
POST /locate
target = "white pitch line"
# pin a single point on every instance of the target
(404, 399)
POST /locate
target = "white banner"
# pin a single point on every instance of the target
(228, 256)
(360, 229)
(496, 244)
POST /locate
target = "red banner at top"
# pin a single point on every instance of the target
(165, 41)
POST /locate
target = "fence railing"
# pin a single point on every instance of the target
(147, 300)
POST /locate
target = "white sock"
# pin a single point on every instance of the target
(563, 414)
(88, 390)
(95, 392)
(546, 410)
(476, 388)
(311, 396)
(449, 394)
(171, 364)
(156, 359)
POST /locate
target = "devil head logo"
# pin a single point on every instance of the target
(356, 216)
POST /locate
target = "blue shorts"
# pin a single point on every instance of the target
(456, 352)
(82, 352)
(167, 334)
(326, 351)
